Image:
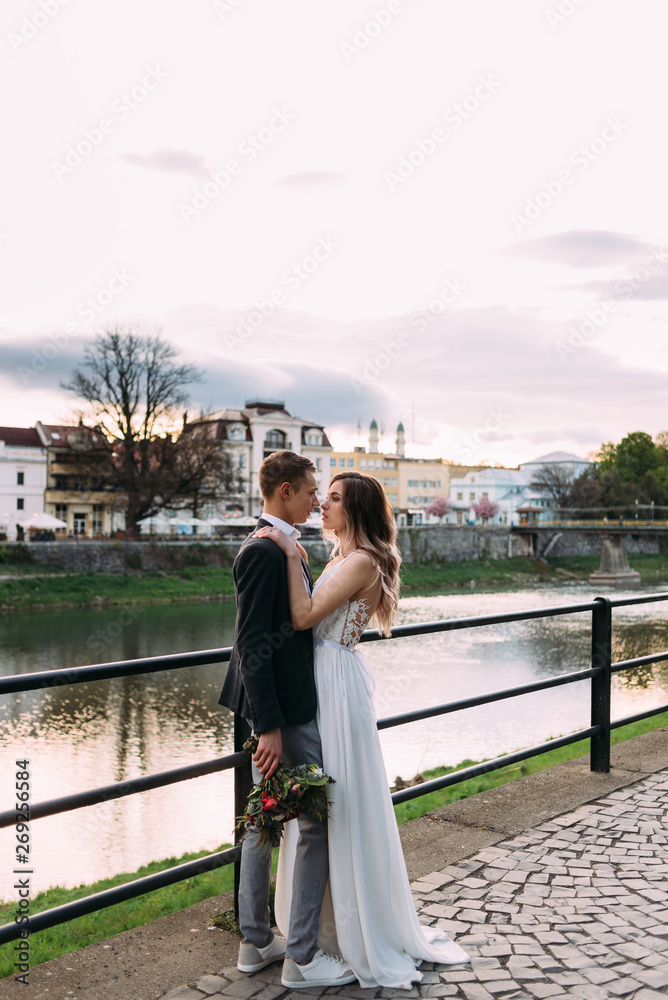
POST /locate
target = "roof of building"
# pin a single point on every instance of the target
(66, 436)
(229, 416)
(25, 437)
(555, 457)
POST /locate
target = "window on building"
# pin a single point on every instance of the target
(394, 480)
(274, 441)
(384, 465)
(391, 465)
(485, 494)
(362, 463)
(20, 503)
(386, 481)
(471, 496)
(97, 517)
(61, 511)
(351, 463)
(20, 478)
(460, 496)
(242, 460)
(394, 498)
(411, 482)
(332, 463)
(342, 463)
(437, 484)
(318, 464)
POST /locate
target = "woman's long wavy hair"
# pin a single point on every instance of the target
(370, 527)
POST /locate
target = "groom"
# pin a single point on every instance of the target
(270, 682)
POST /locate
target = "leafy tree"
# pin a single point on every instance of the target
(485, 508)
(438, 507)
(635, 455)
(135, 391)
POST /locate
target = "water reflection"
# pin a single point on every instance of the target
(84, 736)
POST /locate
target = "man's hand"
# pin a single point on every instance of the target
(267, 757)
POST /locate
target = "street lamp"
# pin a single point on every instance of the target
(636, 510)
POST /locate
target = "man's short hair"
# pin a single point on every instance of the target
(283, 467)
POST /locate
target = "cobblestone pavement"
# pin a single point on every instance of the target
(576, 907)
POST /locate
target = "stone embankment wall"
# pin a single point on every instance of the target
(571, 542)
(121, 557)
(427, 543)
(435, 543)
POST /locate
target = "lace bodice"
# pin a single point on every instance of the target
(346, 624)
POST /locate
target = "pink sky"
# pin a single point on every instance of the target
(445, 214)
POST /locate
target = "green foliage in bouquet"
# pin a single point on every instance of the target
(289, 792)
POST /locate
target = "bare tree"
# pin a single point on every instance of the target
(135, 391)
(556, 482)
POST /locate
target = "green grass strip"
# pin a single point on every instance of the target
(93, 927)
(434, 800)
(78, 590)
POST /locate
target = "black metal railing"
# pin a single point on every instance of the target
(600, 672)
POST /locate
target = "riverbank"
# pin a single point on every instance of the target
(21, 588)
(96, 927)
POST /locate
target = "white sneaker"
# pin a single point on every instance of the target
(252, 959)
(322, 970)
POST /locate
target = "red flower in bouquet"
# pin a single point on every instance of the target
(289, 792)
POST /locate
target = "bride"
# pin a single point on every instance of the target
(368, 916)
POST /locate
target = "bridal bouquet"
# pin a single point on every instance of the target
(289, 792)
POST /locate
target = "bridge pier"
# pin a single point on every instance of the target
(614, 570)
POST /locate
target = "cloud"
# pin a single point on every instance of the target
(641, 284)
(311, 178)
(581, 248)
(319, 393)
(467, 366)
(169, 161)
(40, 362)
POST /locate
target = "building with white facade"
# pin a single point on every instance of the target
(250, 434)
(22, 478)
(519, 502)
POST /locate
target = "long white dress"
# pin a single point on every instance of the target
(370, 917)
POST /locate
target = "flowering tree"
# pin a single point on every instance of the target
(438, 507)
(485, 508)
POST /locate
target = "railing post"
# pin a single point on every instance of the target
(601, 660)
(243, 782)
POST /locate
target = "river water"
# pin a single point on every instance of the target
(87, 735)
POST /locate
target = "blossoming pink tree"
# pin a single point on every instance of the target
(438, 507)
(485, 508)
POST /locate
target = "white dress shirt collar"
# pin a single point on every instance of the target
(287, 529)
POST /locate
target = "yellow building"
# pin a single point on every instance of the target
(409, 483)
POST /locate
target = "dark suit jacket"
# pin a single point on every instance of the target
(270, 677)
